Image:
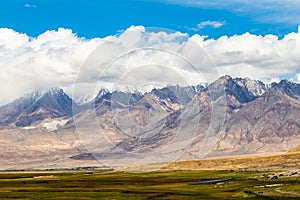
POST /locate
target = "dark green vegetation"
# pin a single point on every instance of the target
(154, 185)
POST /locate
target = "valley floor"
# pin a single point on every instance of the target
(153, 185)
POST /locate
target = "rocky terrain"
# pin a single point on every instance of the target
(231, 116)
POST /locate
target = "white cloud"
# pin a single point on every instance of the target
(138, 59)
(260, 57)
(51, 59)
(11, 39)
(214, 24)
(28, 5)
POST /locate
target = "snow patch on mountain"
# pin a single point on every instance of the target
(54, 124)
(257, 88)
(28, 127)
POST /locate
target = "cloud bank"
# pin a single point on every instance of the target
(60, 58)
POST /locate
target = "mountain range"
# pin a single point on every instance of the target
(230, 116)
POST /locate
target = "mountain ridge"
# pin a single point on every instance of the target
(231, 116)
(36, 106)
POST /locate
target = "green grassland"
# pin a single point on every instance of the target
(151, 185)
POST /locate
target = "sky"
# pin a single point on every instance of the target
(95, 18)
(71, 44)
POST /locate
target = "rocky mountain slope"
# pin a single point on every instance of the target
(37, 106)
(269, 123)
(231, 116)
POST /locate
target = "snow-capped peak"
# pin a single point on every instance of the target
(257, 88)
(53, 91)
(91, 97)
(34, 96)
(102, 92)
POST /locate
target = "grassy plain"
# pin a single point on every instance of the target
(152, 185)
(251, 177)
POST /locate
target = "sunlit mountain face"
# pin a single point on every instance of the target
(230, 116)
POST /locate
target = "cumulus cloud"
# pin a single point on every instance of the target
(214, 24)
(260, 57)
(48, 60)
(137, 59)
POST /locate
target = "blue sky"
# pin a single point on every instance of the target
(96, 18)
